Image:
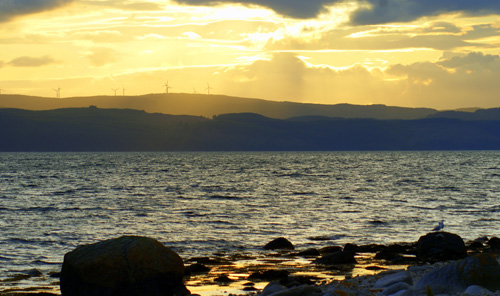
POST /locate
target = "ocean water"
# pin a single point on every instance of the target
(205, 203)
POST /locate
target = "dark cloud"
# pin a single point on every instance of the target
(10, 9)
(126, 5)
(385, 11)
(379, 12)
(293, 8)
(31, 61)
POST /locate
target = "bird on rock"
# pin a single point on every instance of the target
(439, 227)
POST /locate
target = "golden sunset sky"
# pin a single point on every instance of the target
(442, 54)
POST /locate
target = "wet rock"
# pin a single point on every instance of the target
(304, 290)
(292, 281)
(196, 268)
(279, 243)
(223, 279)
(351, 248)
(494, 243)
(126, 266)
(330, 249)
(312, 252)
(481, 270)
(209, 261)
(34, 272)
(269, 275)
(440, 246)
(340, 257)
(374, 267)
(475, 245)
(372, 248)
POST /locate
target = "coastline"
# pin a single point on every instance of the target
(249, 274)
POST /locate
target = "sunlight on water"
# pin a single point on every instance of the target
(202, 203)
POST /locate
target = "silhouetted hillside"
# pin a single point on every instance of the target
(93, 129)
(480, 114)
(210, 105)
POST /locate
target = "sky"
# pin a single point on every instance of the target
(414, 53)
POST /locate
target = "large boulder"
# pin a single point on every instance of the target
(125, 266)
(479, 270)
(440, 246)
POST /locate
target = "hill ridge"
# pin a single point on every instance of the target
(212, 105)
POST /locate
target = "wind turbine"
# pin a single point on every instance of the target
(1, 90)
(167, 87)
(208, 88)
(194, 91)
(58, 92)
(115, 89)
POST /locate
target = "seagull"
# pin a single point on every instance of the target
(439, 227)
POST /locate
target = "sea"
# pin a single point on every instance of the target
(201, 203)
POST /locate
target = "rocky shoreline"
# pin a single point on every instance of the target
(439, 263)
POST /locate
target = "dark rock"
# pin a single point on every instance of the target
(196, 268)
(393, 253)
(341, 257)
(351, 248)
(269, 275)
(330, 249)
(494, 243)
(372, 248)
(475, 245)
(483, 239)
(208, 260)
(252, 288)
(126, 266)
(279, 243)
(320, 238)
(481, 270)
(292, 281)
(375, 268)
(33, 272)
(223, 279)
(440, 246)
(388, 256)
(312, 252)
